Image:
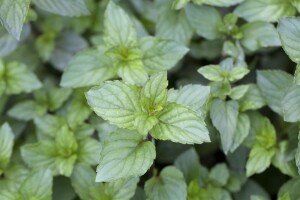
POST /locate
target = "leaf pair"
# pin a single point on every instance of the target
(146, 109)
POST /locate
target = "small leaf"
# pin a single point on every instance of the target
(116, 102)
(219, 174)
(13, 15)
(253, 99)
(291, 103)
(27, 110)
(169, 185)
(71, 8)
(241, 132)
(124, 155)
(180, 124)
(212, 72)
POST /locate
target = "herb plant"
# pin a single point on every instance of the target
(158, 100)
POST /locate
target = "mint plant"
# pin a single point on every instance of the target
(158, 100)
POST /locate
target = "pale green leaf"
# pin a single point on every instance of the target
(169, 185)
(237, 73)
(241, 132)
(178, 4)
(205, 20)
(116, 102)
(274, 84)
(38, 185)
(122, 189)
(69, 8)
(222, 3)
(161, 54)
(291, 103)
(13, 15)
(257, 35)
(6, 145)
(253, 99)
(291, 189)
(238, 92)
(224, 116)
(118, 28)
(87, 68)
(212, 72)
(27, 110)
(193, 96)
(174, 25)
(289, 32)
(18, 78)
(266, 10)
(144, 123)
(124, 155)
(88, 151)
(180, 124)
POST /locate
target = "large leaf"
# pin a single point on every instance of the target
(169, 185)
(291, 103)
(124, 155)
(289, 32)
(180, 124)
(87, 68)
(274, 84)
(258, 35)
(265, 10)
(241, 132)
(13, 15)
(118, 28)
(70, 8)
(224, 116)
(116, 102)
(205, 20)
(38, 185)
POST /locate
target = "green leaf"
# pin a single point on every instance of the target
(89, 67)
(65, 142)
(241, 132)
(188, 164)
(219, 174)
(274, 84)
(290, 188)
(194, 97)
(259, 160)
(267, 10)
(263, 149)
(173, 25)
(45, 45)
(118, 28)
(88, 151)
(180, 124)
(161, 54)
(178, 4)
(205, 20)
(13, 15)
(169, 185)
(144, 123)
(38, 185)
(257, 35)
(6, 145)
(238, 92)
(289, 33)
(48, 125)
(224, 116)
(116, 102)
(284, 159)
(290, 104)
(124, 155)
(19, 79)
(253, 99)
(71, 8)
(222, 3)
(154, 93)
(237, 73)
(27, 110)
(212, 72)
(122, 189)
(297, 156)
